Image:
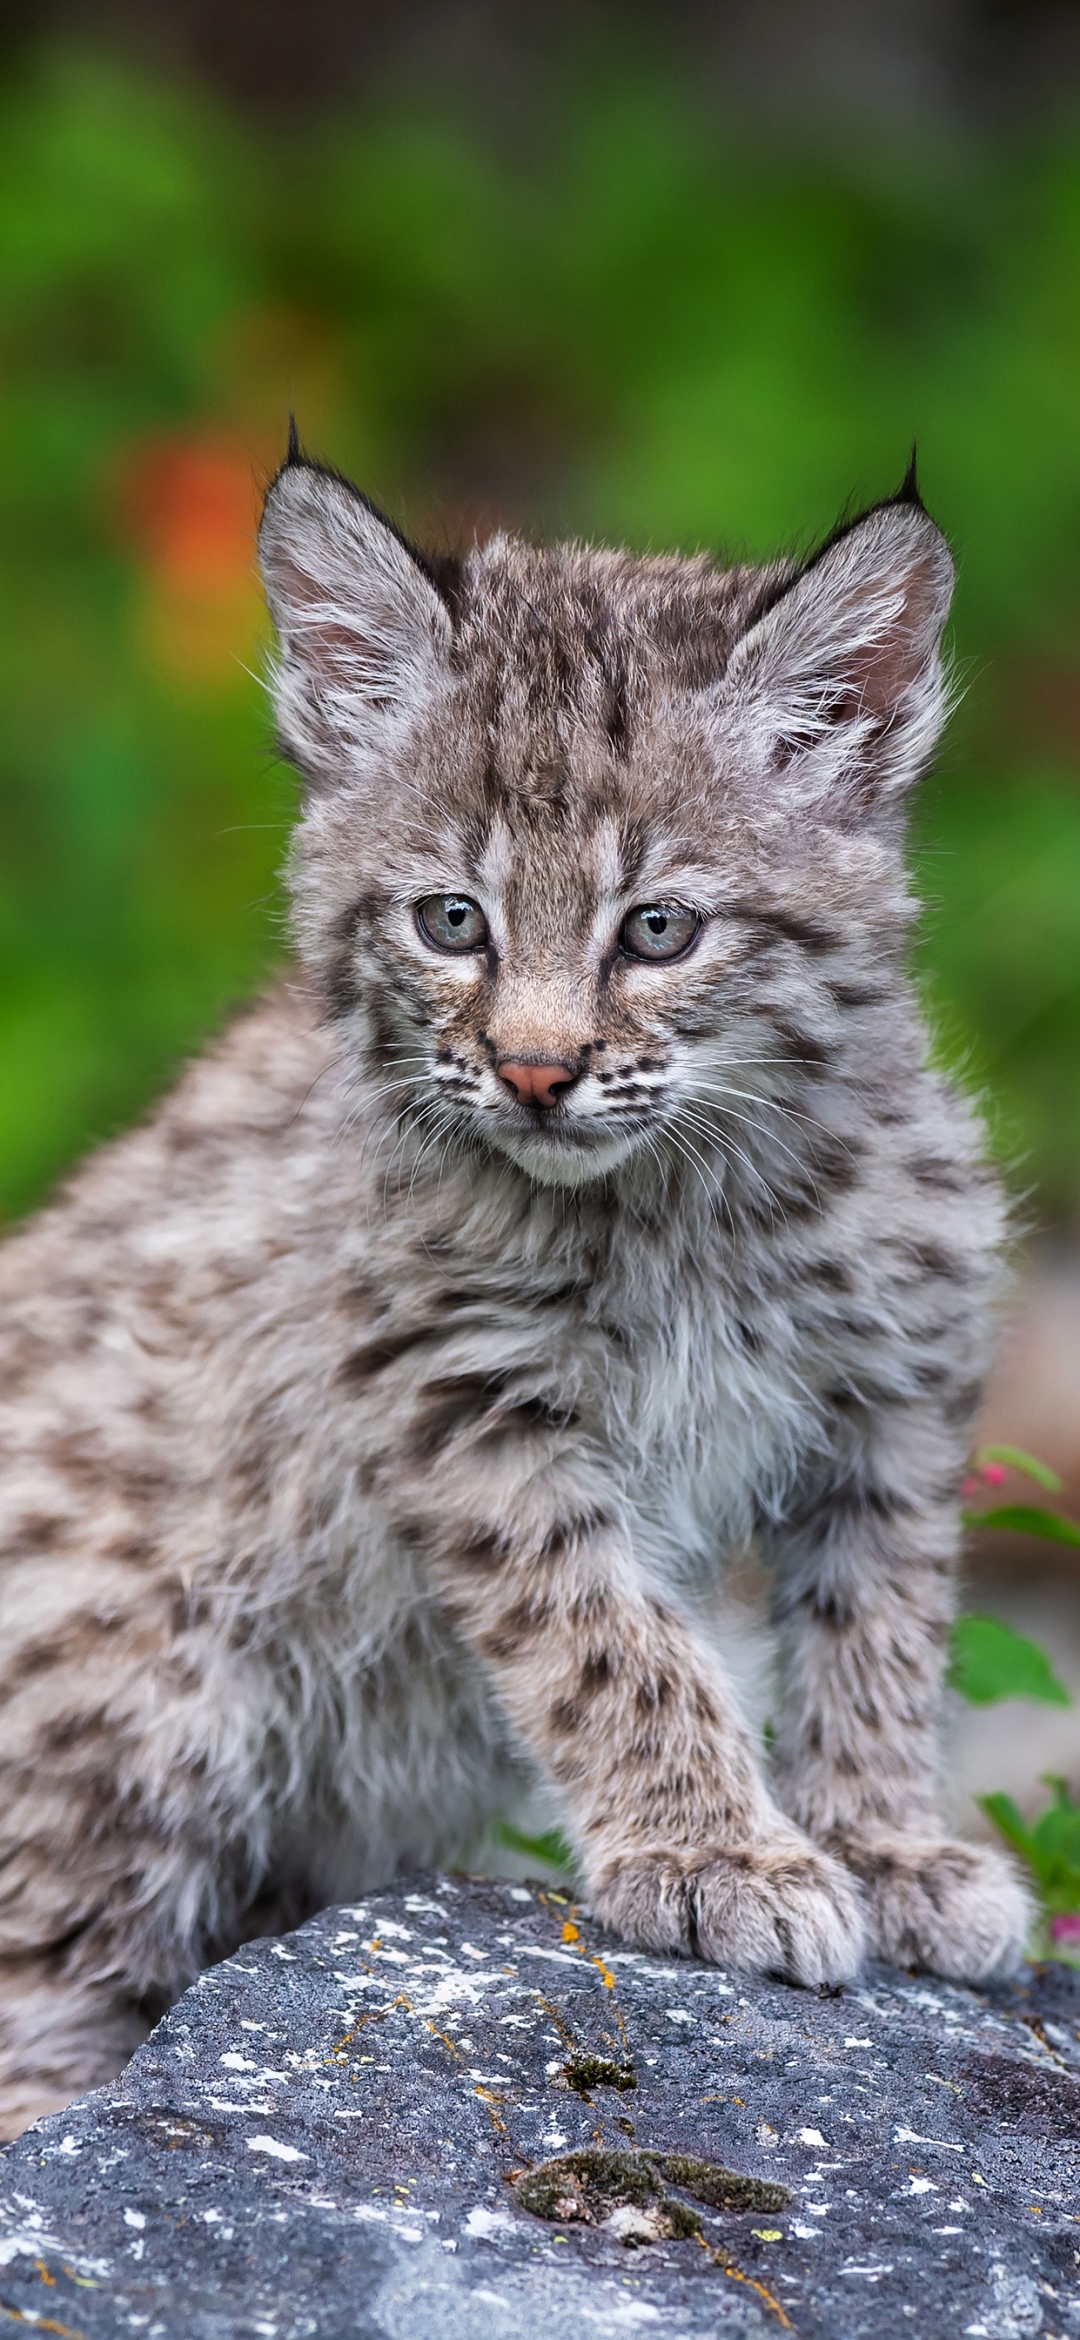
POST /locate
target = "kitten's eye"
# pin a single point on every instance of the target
(660, 930)
(452, 922)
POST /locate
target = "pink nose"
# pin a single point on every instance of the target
(537, 1084)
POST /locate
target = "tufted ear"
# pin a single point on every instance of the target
(364, 631)
(839, 684)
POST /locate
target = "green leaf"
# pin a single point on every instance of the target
(989, 1661)
(1014, 1828)
(1019, 1460)
(1057, 1830)
(1027, 1519)
(552, 1849)
(1050, 1845)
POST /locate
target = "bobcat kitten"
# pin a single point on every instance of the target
(377, 1418)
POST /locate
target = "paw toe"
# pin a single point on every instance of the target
(782, 1909)
(960, 1910)
(777, 1906)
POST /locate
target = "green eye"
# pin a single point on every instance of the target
(659, 930)
(451, 922)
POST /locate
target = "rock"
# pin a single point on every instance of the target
(460, 2111)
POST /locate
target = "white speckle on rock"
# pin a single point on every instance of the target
(811, 2137)
(921, 2185)
(678, 2015)
(551, 1957)
(912, 2137)
(520, 1893)
(628, 2313)
(237, 2063)
(134, 2218)
(276, 1951)
(486, 2223)
(274, 2146)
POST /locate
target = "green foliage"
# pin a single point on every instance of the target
(653, 330)
(551, 1850)
(1016, 1458)
(989, 1661)
(1027, 1519)
(1050, 1845)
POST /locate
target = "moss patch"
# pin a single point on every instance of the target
(719, 2189)
(589, 2187)
(586, 2072)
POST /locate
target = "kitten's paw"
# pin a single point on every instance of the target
(958, 1909)
(778, 1906)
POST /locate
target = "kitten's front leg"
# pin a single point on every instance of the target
(681, 1845)
(864, 1602)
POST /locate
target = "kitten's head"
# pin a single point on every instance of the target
(593, 843)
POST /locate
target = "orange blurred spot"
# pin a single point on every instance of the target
(190, 506)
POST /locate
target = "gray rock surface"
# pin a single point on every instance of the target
(336, 2135)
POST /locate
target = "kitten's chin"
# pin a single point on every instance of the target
(556, 1161)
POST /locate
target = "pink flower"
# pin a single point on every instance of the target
(1066, 1929)
(994, 1474)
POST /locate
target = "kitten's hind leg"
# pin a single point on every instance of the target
(59, 2036)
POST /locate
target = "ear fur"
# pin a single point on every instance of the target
(364, 631)
(838, 686)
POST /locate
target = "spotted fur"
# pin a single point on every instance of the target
(373, 1440)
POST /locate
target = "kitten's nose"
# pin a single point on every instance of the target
(536, 1084)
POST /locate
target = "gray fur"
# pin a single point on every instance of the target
(371, 1442)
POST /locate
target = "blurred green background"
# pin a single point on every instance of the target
(650, 323)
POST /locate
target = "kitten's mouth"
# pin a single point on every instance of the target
(557, 1151)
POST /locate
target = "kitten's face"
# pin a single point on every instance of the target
(558, 983)
(596, 846)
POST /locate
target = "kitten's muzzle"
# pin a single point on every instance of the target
(544, 1085)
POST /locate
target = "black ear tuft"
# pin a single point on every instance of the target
(909, 491)
(907, 495)
(443, 570)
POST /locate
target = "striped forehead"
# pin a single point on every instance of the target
(526, 874)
